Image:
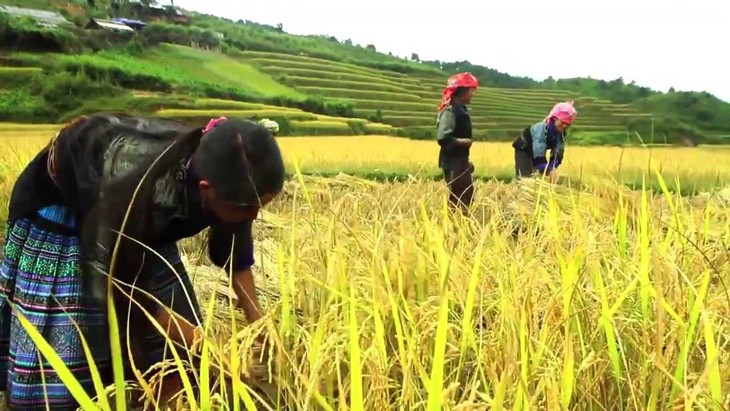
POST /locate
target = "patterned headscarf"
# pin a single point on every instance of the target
(564, 112)
(465, 79)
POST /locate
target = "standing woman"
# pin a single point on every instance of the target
(532, 144)
(454, 137)
(64, 210)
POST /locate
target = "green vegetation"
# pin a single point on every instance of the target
(215, 66)
(177, 66)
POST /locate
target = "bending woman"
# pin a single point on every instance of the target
(64, 210)
(532, 144)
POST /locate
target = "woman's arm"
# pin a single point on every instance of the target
(445, 132)
(539, 148)
(557, 154)
(245, 288)
(232, 248)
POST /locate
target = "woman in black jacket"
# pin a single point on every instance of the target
(455, 139)
(155, 181)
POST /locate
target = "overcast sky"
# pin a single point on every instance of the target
(657, 43)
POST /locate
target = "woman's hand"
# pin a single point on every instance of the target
(553, 176)
(263, 352)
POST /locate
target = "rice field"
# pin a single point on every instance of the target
(549, 297)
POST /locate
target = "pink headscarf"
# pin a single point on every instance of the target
(214, 122)
(564, 112)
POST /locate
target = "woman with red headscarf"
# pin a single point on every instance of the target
(454, 138)
(532, 144)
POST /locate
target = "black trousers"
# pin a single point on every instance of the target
(458, 176)
(523, 164)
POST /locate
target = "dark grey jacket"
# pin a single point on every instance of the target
(453, 122)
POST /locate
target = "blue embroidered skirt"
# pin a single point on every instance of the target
(39, 276)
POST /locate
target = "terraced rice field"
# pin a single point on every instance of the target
(390, 102)
(14, 75)
(411, 101)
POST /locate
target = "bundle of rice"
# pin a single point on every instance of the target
(723, 197)
(340, 180)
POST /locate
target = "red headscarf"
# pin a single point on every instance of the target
(465, 79)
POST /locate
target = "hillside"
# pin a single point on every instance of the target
(311, 85)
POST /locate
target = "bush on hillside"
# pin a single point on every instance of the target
(404, 68)
(63, 91)
(615, 91)
(116, 76)
(12, 61)
(377, 117)
(156, 33)
(11, 77)
(702, 109)
(19, 105)
(23, 33)
(46, 98)
(487, 77)
(666, 129)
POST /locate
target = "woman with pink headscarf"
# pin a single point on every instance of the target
(454, 138)
(532, 144)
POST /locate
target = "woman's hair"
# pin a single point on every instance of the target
(241, 160)
(461, 91)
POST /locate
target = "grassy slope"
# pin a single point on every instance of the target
(410, 101)
(203, 66)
